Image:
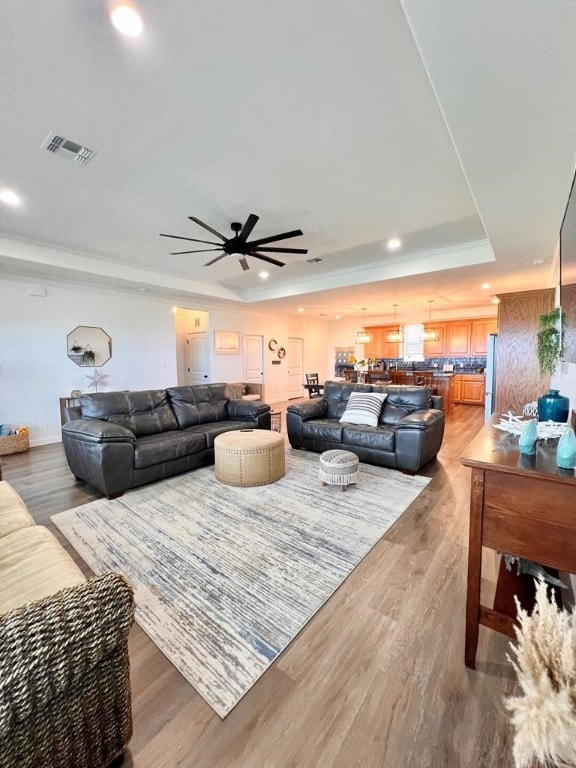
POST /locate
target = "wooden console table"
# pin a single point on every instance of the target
(521, 505)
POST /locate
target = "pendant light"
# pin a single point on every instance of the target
(431, 333)
(362, 337)
(395, 336)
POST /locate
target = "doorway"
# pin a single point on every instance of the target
(197, 358)
(253, 358)
(295, 374)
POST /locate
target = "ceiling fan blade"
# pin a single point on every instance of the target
(273, 238)
(192, 239)
(213, 261)
(249, 225)
(267, 258)
(281, 250)
(204, 250)
(201, 223)
(243, 264)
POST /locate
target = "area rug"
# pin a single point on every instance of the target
(226, 577)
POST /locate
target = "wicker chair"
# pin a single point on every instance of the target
(65, 678)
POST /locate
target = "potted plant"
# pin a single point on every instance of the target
(549, 341)
(88, 357)
(76, 348)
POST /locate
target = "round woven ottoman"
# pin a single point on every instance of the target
(338, 468)
(249, 457)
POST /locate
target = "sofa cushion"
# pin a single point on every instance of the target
(156, 449)
(403, 400)
(376, 438)
(211, 431)
(364, 408)
(323, 429)
(198, 404)
(13, 512)
(143, 413)
(33, 565)
(337, 394)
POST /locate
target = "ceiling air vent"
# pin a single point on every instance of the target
(58, 145)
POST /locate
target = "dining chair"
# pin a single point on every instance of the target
(398, 377)
(313, 385)
(424, 378)
(377, 377)
(351, 376)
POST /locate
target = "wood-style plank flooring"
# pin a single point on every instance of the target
(375, 680)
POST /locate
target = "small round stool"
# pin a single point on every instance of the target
(248, 457)
(338, 468)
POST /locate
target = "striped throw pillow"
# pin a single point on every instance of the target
(364, 408)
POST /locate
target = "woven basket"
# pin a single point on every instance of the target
(14, 444)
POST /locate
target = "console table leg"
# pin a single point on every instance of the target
(474, 568)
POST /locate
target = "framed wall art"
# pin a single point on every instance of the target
(226, 342)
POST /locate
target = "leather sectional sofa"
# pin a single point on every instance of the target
(408, 434)
(120, 440)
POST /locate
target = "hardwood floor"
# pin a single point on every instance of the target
(375, 680)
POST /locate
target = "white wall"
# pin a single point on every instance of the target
(35, 370)
(565, 380)
(271, 326)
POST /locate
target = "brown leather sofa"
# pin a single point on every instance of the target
(120, 440)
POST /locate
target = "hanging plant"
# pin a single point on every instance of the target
(549, 341)
(88, 356)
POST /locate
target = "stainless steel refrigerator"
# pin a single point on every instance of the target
(490, 399)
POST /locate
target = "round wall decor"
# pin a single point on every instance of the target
(272, 344)
(281, 353)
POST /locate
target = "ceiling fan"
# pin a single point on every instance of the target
(239, 245)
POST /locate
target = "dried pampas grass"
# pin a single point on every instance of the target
(544, 657)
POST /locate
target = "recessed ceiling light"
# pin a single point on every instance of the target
(9, 197)
(127, 20)
(538, 261)
(495, 300)
(144, 290)
(300, 309)
(337, 317)
(264, 275)
(485, 286)
(393, 244)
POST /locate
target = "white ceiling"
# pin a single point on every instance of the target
(450, 124)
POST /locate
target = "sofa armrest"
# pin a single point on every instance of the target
(418, 438)
(50, 645)
(437, 402)
(96, 431)
(309, 409)
(298, 413)
(254, 412)
(421, 419)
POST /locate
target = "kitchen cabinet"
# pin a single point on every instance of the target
(435, 348)
(378, 346)
(480, 331)
(458, 338)
(469, 388)
(456, 389)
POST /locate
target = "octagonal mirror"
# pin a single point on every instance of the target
(88, 346)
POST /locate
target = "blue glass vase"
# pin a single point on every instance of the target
(566, 452)
(553, 406)
(528, 437)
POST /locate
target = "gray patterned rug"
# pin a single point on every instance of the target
(226, 577)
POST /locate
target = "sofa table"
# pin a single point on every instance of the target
(520, 505)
